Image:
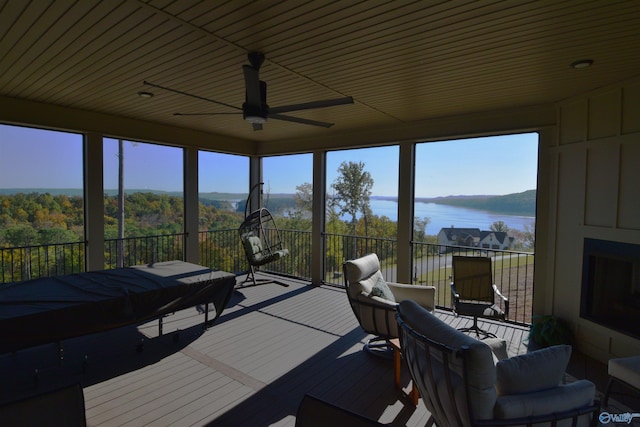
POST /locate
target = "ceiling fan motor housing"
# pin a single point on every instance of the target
(253, 113)
(256, 59)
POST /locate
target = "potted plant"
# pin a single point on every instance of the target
(548, 330)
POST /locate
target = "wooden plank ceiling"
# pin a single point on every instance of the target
(401, 61)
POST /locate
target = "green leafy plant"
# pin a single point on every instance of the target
(548, 330)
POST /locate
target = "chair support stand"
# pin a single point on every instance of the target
(379, 347)
(251, 277)
(475, 328)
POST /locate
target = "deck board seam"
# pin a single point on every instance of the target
(223, 368)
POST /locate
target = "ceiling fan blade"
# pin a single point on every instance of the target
(203, 114)
(300, 120)
(252, 86)
(190, 94)
(312, 105)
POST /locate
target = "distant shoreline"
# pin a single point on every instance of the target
(523, 203)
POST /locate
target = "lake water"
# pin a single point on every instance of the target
(444, 216)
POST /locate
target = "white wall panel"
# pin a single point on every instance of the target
(601, 198)
(629, 204)
(572, 122)
(571, 179)
(604, 114)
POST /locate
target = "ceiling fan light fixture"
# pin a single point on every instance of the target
(583, 63)
(256, 120)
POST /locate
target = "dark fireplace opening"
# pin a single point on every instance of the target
(610, 293)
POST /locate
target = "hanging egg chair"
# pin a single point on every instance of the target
(261, 240)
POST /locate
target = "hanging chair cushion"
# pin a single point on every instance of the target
(253, 247)
(257, 255)
(281, 253)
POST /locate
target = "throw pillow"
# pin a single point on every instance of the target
(538, 370)
(382, 290)
(498, 347)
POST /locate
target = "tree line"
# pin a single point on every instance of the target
(523, 203)
(42, 218)
(32, 219)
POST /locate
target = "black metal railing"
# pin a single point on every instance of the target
(33, 262)
(512, 274)
(143, 250)
(298, 262)
(341, 247)
(512, 270)
(222, 250)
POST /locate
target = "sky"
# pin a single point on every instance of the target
(33, 158)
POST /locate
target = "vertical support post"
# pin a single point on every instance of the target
(546, 211)
(319, 217)
(406, 184)
(255, 177)
(191, 205)
(93, 201)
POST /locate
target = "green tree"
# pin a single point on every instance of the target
(56, 235)
(499, 226)
(21, 235)
(529, 236)
(377, 226)
(304, 197)
(420, 228)
(353, 191)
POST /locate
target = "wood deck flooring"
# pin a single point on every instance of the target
(271, 345)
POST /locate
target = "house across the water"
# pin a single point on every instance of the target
(474, 237)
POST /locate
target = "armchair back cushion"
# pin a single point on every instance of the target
(362, 274)
(533, 371)
(481, 371)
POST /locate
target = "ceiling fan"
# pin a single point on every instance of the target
(255, 109)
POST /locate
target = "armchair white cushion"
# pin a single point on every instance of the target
(561, 398)
(424, 296)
